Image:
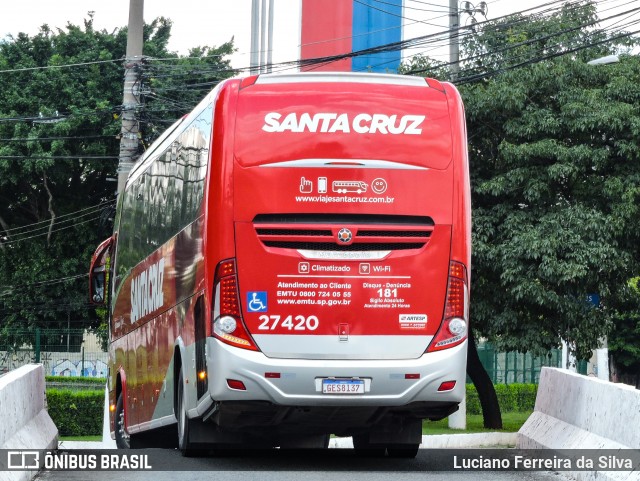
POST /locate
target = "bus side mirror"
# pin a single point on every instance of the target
(98, 273)
(97, 287)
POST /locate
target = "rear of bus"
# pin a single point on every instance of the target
(343, 308)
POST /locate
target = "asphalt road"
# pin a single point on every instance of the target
(334, 464)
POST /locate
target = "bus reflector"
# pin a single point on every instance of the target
(447, 386)
(272, 375)
(227, 317)
(454, 327)
(248, 81)
(226, 268)
(412, 376)
(235, 384)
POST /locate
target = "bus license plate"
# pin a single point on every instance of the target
(342, 386)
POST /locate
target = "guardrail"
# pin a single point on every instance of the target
(25, 422)
(573, 411)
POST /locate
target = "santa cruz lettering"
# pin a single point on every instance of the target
(146, 291)
(332, 122)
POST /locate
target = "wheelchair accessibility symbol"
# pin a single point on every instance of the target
(257, 301)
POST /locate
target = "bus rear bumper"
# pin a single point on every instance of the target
(298, 382)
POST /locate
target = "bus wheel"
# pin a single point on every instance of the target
(318, 441)
(407, 451)
(123, 441)
(365, 449)
(183, 419)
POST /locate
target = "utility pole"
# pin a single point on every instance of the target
(455, 8)
(270, 37)
(261, 36)
(255, 27)
(263, 33)
(129, 140)
(454, 35)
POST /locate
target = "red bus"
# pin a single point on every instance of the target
(291, 260)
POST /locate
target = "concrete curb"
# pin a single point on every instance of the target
(25, 421)
(579, 412)
(446, 441)
(439, 441)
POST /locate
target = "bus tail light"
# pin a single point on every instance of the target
(236, 385)
(455, 323)
(227, 317)
(447, 386)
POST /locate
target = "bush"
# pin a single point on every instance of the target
(473, 401)
(76, 380)
(76, 413)
(75, 383)
(526, 396)
(511, 397)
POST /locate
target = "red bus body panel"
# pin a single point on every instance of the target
(295, 168)
(401, 294)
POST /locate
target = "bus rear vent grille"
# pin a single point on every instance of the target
(357, 232)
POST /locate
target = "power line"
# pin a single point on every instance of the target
(96, 207)
(62, 116)
(492, 73)
(46, 67)
(51, 139)
(361, 2)
(539, 39)
(518, 21)
(424, 39)
(441, 10)
(45, 228)
(408, 43)
(9, 242)
(59, 157)
(530, 60)
(430, 4)
(42, 283)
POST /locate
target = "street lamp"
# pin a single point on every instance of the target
(604, 60)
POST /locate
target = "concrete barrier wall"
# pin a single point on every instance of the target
(573, 411)
(25, 422)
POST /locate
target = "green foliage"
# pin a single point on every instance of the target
(623, 340)
(59, 144)
(511, 423)
(511, 397)
(423, 66)
(555, 167)
(76, 413)
(76, 380)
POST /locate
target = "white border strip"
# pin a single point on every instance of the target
(345, 164)
(344, 77)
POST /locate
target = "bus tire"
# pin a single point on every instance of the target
(183, 419)
(405, 451)
(365, 449)
(123, 440)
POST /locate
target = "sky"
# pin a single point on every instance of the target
(213, 22)
(199, 22)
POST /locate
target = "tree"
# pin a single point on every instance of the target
(555, 177)
(555, 183)
(58, 154)
(624, 352)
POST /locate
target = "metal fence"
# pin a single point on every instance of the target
(516, 367)
(63, 352)
(77, 352)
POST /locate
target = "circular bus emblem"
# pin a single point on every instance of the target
(344, 235)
